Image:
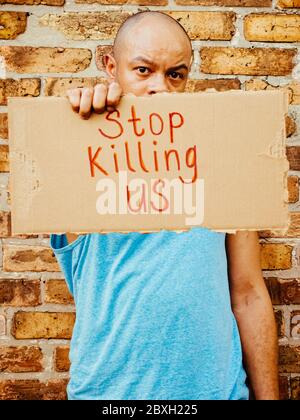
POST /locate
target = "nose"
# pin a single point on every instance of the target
(157, 84)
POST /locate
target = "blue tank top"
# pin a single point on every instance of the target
(153, 317)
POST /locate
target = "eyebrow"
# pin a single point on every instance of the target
(151, 63)
(179, 67)
(144, 60)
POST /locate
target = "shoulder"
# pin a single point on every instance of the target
(71, 237)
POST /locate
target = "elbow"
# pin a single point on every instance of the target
(249, 294)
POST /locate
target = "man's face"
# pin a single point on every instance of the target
(155, 57)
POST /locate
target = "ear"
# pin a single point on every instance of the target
(191, 62)
(110, 66)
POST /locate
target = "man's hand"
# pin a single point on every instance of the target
(98, 99)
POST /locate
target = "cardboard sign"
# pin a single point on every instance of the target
(170, 161)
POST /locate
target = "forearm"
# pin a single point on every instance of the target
(257, 326)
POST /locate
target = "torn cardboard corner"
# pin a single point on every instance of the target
(166, 162)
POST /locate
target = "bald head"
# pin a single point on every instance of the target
(153, 19)
(152, 54)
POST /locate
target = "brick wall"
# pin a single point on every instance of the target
(51, 45)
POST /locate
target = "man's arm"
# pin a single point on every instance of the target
(252, 307)
(71, 237)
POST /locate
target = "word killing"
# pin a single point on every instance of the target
(140, 153)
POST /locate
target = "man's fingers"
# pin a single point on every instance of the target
(74, 96)
(113, 96)
(86, 103)
(99, 98)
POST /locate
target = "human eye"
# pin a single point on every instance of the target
(175, 75)
(142, 70)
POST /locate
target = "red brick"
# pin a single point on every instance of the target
(284, 292)
(293, 188)
(289, 359)
(4, 125)
(295, 388)
(295, 325)
(56, 291)
(207, 25)
(2, 325)
(294, 226)
(21, 359)
(33, 389)
(24, 59)
(272, 27)
(34, 2)
(29, 258)
(4, 162)
(292, 88)
(5, 224)
(291, 126)
(292, 232)
(276, 256)
(288, 3)
(61, 359)
(221, 3)
(58, 86)
(12, 24)
(20, 87)
(247, 61)
(19, 292)
(47, 325)
(220, 85)
(280, 323)
(24, 236)
(137, 2)
(284, 387)
(86, 25)
(293, 155)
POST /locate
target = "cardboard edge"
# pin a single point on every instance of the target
(228, 230)
(285, 105)
(18, 157)
(10, 120)
(278, 153)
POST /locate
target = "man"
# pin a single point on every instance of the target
(164, 315)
